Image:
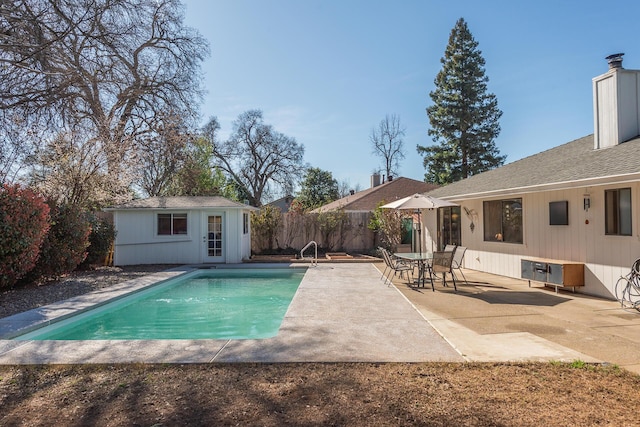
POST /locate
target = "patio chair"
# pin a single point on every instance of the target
(395, 265)
(442, 262)
(382, 250)
(386, 257)
(456, 263)
(447, 248)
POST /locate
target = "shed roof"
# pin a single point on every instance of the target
(368, 200)
(181, 202)
(571, 165)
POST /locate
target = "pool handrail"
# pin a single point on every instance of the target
(314, 261)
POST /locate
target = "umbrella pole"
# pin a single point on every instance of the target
(419, 232)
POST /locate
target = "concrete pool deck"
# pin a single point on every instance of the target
(340, 313)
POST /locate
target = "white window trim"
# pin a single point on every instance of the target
(170, 236)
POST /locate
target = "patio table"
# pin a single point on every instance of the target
(422, 259)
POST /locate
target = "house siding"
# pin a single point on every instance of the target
(606, 257)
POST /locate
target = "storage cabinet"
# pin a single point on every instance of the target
(551, 272)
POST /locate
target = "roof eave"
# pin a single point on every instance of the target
(565, 185)
(146, 208)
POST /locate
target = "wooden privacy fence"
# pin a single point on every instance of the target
(337, 231)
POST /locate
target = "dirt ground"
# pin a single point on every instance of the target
(364, 394)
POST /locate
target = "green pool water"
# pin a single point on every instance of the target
(212, 304)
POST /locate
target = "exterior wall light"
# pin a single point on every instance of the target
(587, 202)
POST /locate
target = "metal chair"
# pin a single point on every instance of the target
(442, 262)
(395, 265)
(382, 251)
(456, 263)
(447, 248)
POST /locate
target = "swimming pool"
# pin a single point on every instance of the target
(205, 304)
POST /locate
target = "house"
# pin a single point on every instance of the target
(369, 199)
(577, 202)
(283, 203)
(182, 230)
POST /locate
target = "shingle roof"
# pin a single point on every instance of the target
(181, 202)
(367, 200)
(575, 163)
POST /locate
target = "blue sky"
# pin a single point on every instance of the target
(327, 72)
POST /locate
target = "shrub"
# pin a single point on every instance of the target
(24, 222)
(102, 235)
(65, 246)
(387, 223)
(334, 224)
(265, 224)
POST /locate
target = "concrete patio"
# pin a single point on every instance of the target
(496, 319)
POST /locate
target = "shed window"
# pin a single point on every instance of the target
(503, 221)
(245, 223)
(617, 205)
(171, 224)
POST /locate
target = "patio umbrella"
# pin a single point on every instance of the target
(418, 202)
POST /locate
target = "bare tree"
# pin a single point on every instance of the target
(258, 158)
(345, 188)
(109, 67)
(72, 169)
(18, 140)
(162, 154)
(210, 130)
(387, 143)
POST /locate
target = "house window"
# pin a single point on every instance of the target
(171, 224)
(245, 223)
(617, 208)
(503, 221)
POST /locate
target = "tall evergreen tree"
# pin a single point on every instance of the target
(463, 117)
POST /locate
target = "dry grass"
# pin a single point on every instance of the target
(365, 394)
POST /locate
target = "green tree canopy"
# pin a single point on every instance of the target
(464, 116)
(198, 177)
(317, 188)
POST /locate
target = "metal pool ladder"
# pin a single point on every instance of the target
(314, 260)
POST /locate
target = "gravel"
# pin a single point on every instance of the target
(13, 301)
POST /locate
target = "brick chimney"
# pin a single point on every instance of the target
(375, 180)
(616, 104)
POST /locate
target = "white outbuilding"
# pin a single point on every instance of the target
(182, 230)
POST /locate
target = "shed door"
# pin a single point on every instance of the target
(214, 240)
